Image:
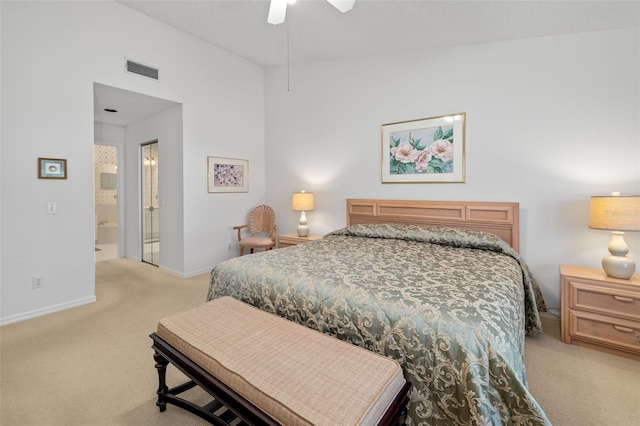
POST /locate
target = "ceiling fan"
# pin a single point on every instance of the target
(278, 9)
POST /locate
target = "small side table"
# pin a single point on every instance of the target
(289, 240)
(600, 312)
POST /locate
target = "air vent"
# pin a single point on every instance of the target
(141, 69)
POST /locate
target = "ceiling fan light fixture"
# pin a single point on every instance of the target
(278, 9)
(277, 12)
(342, 5)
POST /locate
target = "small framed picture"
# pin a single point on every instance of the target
(227, 175)
(52, 168)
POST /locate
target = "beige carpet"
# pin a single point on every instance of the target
(93, 365)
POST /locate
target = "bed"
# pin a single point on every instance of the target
(438, 286)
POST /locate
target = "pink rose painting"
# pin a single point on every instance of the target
(421, 151)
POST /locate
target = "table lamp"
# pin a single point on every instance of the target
(618, 214)
(302, 201)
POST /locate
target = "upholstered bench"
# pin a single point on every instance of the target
(263, 369)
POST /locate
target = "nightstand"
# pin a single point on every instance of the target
(289, 240)
(600, 312)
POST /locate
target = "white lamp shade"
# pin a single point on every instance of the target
(302, 201)
(615, 213)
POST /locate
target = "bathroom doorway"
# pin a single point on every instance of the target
(129, 120)
(106, 201)
(150, 203)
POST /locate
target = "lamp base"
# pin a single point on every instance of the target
(618, 264)
(621, 267)
(303, 229)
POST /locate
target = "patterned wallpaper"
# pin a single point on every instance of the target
(150, 175)
(105, 159)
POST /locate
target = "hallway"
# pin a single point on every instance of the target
(106, 252)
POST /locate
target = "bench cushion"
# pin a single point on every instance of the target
(296, 375)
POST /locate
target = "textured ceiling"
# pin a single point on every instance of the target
(318, 32)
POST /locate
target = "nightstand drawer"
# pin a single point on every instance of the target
(600, 312)
(611, 332)
(289, 240)
(603, 300)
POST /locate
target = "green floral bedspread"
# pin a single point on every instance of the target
(451, 306)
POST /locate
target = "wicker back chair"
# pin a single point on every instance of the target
(262, 230)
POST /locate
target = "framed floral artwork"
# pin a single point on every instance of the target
(428, 150)
(227, 175)
(52, 168)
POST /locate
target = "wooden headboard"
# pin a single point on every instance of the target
(495, 217)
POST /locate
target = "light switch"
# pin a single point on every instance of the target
(51, 208)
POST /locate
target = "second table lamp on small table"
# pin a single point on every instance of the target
(300, 202)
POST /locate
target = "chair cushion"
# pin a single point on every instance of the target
(256, 241)
(297, 375)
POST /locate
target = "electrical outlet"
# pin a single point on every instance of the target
(38, 281)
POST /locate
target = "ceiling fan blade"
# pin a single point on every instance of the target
(277, 12)
(342, 5)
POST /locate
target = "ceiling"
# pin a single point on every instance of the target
(319, 32)
(131, 107)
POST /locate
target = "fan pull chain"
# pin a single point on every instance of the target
(288, 58)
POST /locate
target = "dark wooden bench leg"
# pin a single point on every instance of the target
(161, 366)
(402, 416)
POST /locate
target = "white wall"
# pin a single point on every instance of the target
(52, 53)
(550, 122)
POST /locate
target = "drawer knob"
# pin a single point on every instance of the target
(623, 299)
(623, 329)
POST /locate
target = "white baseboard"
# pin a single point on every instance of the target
(551, 314)
(187, 274)
(200, 272)
(174, 272)
(45, 311)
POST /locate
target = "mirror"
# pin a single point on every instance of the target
(108, 181)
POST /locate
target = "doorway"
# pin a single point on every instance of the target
(129, 120)
(106, 202)
(150, 204)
